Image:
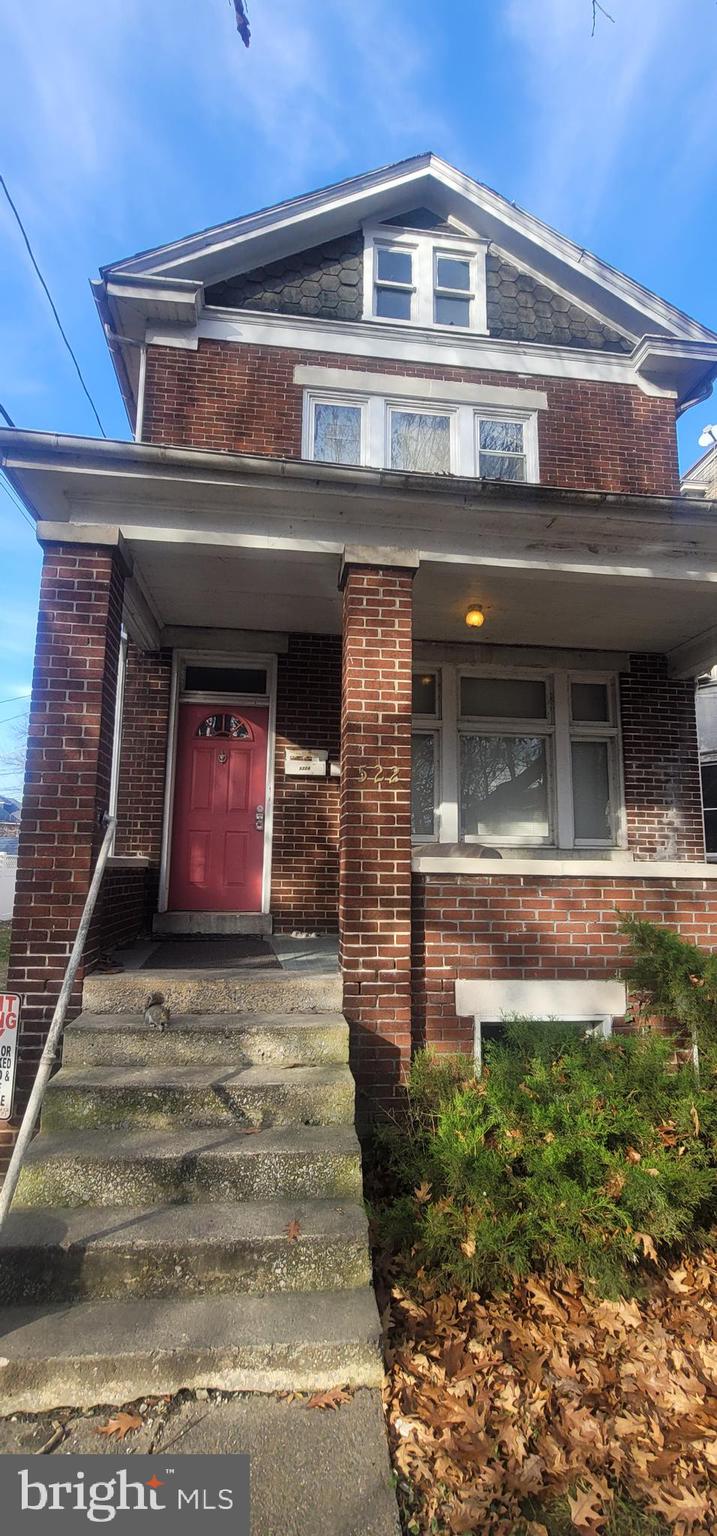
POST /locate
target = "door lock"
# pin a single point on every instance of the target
(259, 822)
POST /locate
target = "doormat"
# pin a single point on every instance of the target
(211, 955)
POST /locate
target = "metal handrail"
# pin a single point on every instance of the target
(47, 1059)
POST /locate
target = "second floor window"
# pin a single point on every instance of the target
(417, 277)
(415, 438)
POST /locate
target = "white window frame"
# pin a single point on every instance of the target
(432, 725)
(424, 247)
(559, 730)
(464, 431)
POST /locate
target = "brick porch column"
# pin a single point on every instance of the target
(375, 825)
(67, 781)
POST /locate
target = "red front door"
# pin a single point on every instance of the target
(219, 794)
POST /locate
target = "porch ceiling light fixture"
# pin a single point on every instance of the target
(475, 616)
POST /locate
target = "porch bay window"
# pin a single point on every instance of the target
(516, 761)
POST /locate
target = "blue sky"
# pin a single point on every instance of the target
(125, 123)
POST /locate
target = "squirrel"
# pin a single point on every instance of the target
(156, 1012)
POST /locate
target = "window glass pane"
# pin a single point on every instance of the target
(393, 303)
(709, 784)
(452, 311)
(393, 266)
(504, 698)
(423, 784)
(453, 273)
(502, 466)
(504, 787)
(420, 442)
(590, 701)
(425, 690)
(199, 679)
(337, 433)
(711, 831)
(591, 790)
(501, 436)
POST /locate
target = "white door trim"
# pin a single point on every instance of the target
(177, 697)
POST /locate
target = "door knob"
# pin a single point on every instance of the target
(259, 822)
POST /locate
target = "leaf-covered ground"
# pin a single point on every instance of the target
(504, 1411)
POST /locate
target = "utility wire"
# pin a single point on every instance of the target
(16, 699)
(51, 302)
(21, 716)
(16, 502)
(7, 418)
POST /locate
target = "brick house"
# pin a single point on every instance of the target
(387, 621)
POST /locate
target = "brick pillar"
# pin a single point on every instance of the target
(375, 822)
(67, 781)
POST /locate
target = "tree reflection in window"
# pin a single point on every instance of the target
(226, 727)
(504, 787)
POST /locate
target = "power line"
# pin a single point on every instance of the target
(51, 302)
(21, 716)
(15, 699)
(4, 413)
(16, 502)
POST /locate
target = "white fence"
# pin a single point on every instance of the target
(8, 871)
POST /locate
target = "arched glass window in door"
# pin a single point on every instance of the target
(225, 727)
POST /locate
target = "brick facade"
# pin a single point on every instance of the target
(375, 858)
(305, 849)
(663, 797)
(237, 398)
(499, 926)
(143, 757)
(67, 780)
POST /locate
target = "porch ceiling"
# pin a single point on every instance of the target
(274, 590)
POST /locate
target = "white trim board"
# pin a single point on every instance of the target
(445, 348)
(526, 997)
(310, 377)
(539, 868)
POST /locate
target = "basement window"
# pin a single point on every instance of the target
(493, 1031)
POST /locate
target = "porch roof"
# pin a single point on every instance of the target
(255, 544)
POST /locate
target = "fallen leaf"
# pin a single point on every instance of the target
(633, 1156)
(120, 1425)
(586, 1511)
(293, 1230)
(694, 1117)
(423, 1193)
(469, 1247)
(331, 1399)
(647, 1245)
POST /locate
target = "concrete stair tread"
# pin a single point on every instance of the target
(180, 1226)
(205, 1023)
(114, 1351)
(193, 1075)
(190, 1142)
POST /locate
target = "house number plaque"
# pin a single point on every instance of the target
(9, 1021)
(305, 765)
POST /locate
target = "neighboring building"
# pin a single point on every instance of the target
(360, 416)
(700, 481)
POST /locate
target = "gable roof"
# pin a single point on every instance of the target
(424, 180)
(166, 285)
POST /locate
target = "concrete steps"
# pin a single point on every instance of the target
(157, 1097)
(61, 1254)
(222, 991)
(251, 1039)
(115, 1351)
(183, 1165)
(191, 1212)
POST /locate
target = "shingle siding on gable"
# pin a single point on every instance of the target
(520, 308)
(325, 282)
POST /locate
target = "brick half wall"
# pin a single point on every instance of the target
(496, 927)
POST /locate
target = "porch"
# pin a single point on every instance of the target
(319, 615)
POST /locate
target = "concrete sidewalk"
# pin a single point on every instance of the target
(314, 1472)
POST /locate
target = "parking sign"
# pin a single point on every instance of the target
(9, 1030)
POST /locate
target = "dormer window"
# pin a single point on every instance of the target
(426, 278)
